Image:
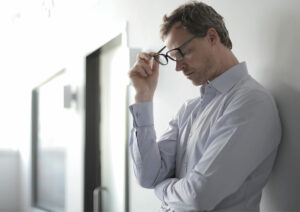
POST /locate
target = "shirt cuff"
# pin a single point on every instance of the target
(142, 114)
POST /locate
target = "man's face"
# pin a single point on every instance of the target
(198, 63)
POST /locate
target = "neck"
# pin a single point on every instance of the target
(224, 61)
(227, 60)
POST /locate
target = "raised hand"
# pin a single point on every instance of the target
(144, 76)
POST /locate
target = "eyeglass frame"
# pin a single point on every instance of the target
(166, 56)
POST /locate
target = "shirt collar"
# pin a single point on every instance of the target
(229, 78)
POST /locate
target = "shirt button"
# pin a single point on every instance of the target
(185, 164)
(191, 134)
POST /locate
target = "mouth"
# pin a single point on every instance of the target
(188, 74)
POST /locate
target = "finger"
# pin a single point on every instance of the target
(155, 65)
(139, 69)
(146, 66)
(139, 73)
(152, 54)
(145, 57)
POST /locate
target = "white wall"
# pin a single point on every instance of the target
(266, 34)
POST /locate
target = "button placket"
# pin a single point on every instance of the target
(196, 113)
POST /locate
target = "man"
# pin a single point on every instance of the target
(220, 147)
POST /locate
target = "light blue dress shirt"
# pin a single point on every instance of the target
(218, 151)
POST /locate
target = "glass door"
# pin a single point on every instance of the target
(114, 62)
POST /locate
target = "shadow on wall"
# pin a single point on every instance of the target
(283, 189)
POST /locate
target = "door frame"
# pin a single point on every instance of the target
(92, 134)
(92, 157)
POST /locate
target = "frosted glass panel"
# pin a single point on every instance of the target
(113, 59)
(50, 150)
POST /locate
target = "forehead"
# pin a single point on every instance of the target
(177, 36)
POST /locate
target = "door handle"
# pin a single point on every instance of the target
(69, 96)
(97, 198)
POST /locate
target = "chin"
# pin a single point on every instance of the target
(197, 83)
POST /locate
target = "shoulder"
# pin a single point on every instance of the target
(249, 95)
(249, 90)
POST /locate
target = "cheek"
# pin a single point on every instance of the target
(195, 62)
(199, 58)
(199, 65)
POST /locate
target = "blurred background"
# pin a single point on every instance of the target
(64, 93)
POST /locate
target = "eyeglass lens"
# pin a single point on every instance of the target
(174, 55)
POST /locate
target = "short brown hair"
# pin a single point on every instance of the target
(197, 18)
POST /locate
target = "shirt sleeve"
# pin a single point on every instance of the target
(240, 140)
(153, 161)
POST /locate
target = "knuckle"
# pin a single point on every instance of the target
(141, 55)
(144, 55)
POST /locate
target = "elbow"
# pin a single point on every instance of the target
(145, 184)
(144, 180)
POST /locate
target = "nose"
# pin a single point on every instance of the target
(180, 66)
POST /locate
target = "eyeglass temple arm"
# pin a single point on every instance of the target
(192, 38)
(161, 50)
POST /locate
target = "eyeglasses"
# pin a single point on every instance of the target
(173, 54)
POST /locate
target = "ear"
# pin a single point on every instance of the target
(212, 36)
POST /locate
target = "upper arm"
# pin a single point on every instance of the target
(239, 141)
